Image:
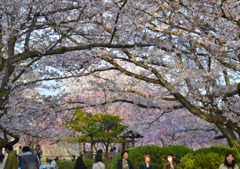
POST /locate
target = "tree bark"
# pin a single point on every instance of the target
(229, 134)
(91, 153)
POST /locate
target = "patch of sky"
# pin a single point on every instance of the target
(51, 87)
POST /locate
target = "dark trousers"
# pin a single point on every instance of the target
(20, 160)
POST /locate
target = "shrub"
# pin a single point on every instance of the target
(108, 163)
(69, 164)
(201, 160)
(63, 164)
(206, 158)
(158, 155)
(88, 162)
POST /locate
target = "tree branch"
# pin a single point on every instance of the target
(116, 21)
(62, 50)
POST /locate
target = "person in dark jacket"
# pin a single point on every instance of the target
(146, 164)
(29, 160)
(79, 164)
(98, 155)
(124, 163)
(171, 164)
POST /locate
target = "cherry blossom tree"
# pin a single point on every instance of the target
(195, 56)
(186, 51)
(36, 38)
(160, 123)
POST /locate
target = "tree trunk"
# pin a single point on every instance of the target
(229, 134)
(106, 152)
(91, 153)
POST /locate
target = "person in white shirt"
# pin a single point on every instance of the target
(98, 164)
(2, 161)
(53, 163)
(229, 162)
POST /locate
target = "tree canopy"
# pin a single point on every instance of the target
(184, 52)
(95, 128)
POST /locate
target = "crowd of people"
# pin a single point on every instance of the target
(29, 160)
(125, 163)
(24, 160)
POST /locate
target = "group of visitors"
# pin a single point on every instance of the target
(125, 163)
(37, 152)
(25, 160)
(31, 161)
(97, 165)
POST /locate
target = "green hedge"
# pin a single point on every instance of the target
(157, 154)
(201, 160)
(207, 158)
(88, 162)
(64, 164)
(69, 164)
(108, 163)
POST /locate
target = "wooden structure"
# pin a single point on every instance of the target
(130, 138)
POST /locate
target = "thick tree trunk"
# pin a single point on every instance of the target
(229, 134)
(5, 139)
(3, 142)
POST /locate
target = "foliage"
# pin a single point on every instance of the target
(88, 162)
(95, 128)
(201, 160)
(108, 163)
(69, 164)
(207, 158)
(157, 154)
(63, 164)
(217, 149)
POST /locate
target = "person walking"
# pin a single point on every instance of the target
(229, 162)
(79, 164)
(146, 164)
(29, 160)
(124, 163)
(12, 160)
(98, 164)
(171, 164)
